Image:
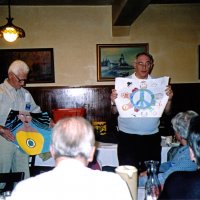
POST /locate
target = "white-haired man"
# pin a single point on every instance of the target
(14, 96)
(73, 147)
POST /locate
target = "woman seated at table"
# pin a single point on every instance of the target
(185, 184)
(181, 160)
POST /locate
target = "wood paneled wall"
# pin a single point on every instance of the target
(96, 100)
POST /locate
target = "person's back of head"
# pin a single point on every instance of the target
(181, 121)
(194, 138)
(73, 137)
(18, 66)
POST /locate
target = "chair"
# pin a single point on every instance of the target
(67, 112)
(36, 170)
(10, 179)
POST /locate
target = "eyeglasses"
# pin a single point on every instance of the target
(20, 80)
(147, 64)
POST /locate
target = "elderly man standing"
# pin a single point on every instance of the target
(138, 137)
(14, 96)
(73, 148)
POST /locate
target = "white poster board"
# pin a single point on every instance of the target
(141, 98)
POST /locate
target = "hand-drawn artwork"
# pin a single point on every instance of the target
(141, 98)
(31, 130)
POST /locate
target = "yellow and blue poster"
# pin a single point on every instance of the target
(31, 130)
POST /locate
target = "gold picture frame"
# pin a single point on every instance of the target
(116, 60)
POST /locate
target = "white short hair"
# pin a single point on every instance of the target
(18, 66)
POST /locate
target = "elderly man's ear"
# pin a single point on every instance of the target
(134, 64)
(52, 151)
(90, 159)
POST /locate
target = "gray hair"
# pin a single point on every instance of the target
(194, 138)
(73, 137)
(145, 54)
(18, 66)
(181, 121)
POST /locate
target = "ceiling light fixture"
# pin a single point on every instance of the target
(10, 32)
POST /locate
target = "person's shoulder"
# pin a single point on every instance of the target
(1, 88)
(120, 187)
(24, 90)
(35, 181)
(178, 176)
(129, 77)
(108, 175)
(3, 84)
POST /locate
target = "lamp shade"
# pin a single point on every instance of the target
(10, 32)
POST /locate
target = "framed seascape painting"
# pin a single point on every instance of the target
(116, 60)
(40, 62)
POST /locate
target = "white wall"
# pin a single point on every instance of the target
(172, 31)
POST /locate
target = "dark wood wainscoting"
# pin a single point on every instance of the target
(96, 100)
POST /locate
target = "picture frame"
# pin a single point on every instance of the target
(116, 60)
(39, 60)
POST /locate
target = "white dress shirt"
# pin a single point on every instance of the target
(71, 180)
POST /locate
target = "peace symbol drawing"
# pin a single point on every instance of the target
(139, 98)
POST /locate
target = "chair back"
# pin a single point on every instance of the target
(10, 179)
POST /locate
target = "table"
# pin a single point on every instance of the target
(106, 155)
(141, 193)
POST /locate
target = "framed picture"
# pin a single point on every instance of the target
(116, 60)
(40, 62)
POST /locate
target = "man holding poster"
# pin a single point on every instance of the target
(140, 101)
(14, 96)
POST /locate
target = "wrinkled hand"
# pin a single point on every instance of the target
(169, 92)
(6, 133)
(113, 95)
(51, 124)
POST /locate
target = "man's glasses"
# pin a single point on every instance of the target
(20, 80)
(147, 64)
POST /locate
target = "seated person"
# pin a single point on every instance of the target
(72, 147)
(185, 184)
(181, 160)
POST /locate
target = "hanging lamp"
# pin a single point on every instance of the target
(9, 31)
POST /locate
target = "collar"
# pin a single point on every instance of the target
(7, 84)
(135, 77)
(69, 162)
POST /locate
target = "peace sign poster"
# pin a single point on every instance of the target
(141, 98)
(31, 130)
